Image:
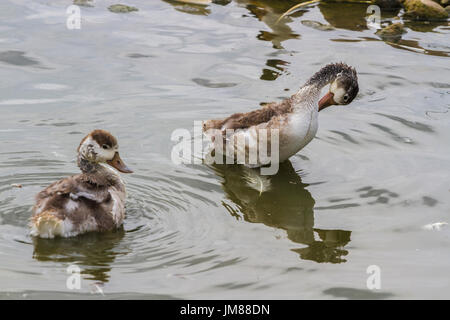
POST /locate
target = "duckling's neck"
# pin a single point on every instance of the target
(97, 173)
(86, 166)
(307, 96)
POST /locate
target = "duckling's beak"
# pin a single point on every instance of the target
(118, 163)
(326, 101)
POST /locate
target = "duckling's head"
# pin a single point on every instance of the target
(343, 89)
(100, 146)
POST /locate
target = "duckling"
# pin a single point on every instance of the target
(296, 118)
(91, 201)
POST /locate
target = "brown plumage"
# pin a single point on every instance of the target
(102, 137)
(56, 198)
(294, 120)
(252, 118)
(90, 201)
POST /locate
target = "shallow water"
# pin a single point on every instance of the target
(358, 195)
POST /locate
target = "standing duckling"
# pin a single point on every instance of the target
(91, 201)
(296, 118)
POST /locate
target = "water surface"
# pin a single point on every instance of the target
(358, 195)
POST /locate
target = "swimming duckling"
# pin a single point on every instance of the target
(91, 201)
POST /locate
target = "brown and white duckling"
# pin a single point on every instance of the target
(296, 118)
(91, 201)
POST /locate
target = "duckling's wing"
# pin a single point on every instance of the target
(249, 119)
(72, 206)
(53, 194)
(49, 212)
(75, 188)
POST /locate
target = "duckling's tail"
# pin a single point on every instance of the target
(46, 225)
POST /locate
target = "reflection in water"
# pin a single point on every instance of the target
(348, 16)
(269, 12)
(411, 124)
(191, 8)
(425, 26)
(92, 252)
(408, 45)
(264, 10)
(282, 201)
(277, 67)
(351, 16)
(414, 46)
(17, 58)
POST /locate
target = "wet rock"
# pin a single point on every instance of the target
(392, 32)
(424, 10)
(447, 8)
(443, 3)
(84, 3)
(221, 2)
(121, 8)
(200, 2)
(194, 7)
(317, 25)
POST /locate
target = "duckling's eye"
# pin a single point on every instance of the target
(105, 146)
(345, 97)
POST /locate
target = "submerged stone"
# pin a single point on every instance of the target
(84, 3)
(424, 10)
(317, 25)
(443, 3)
(391, 32)
(201, 2)
(121, 8)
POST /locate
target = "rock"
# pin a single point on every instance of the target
(392, 32)
(121, 8)
(424, 10)
(221, 2)
(317, 25)
(447, 8)
(201, 2)
(83, 3)
(443, 3)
